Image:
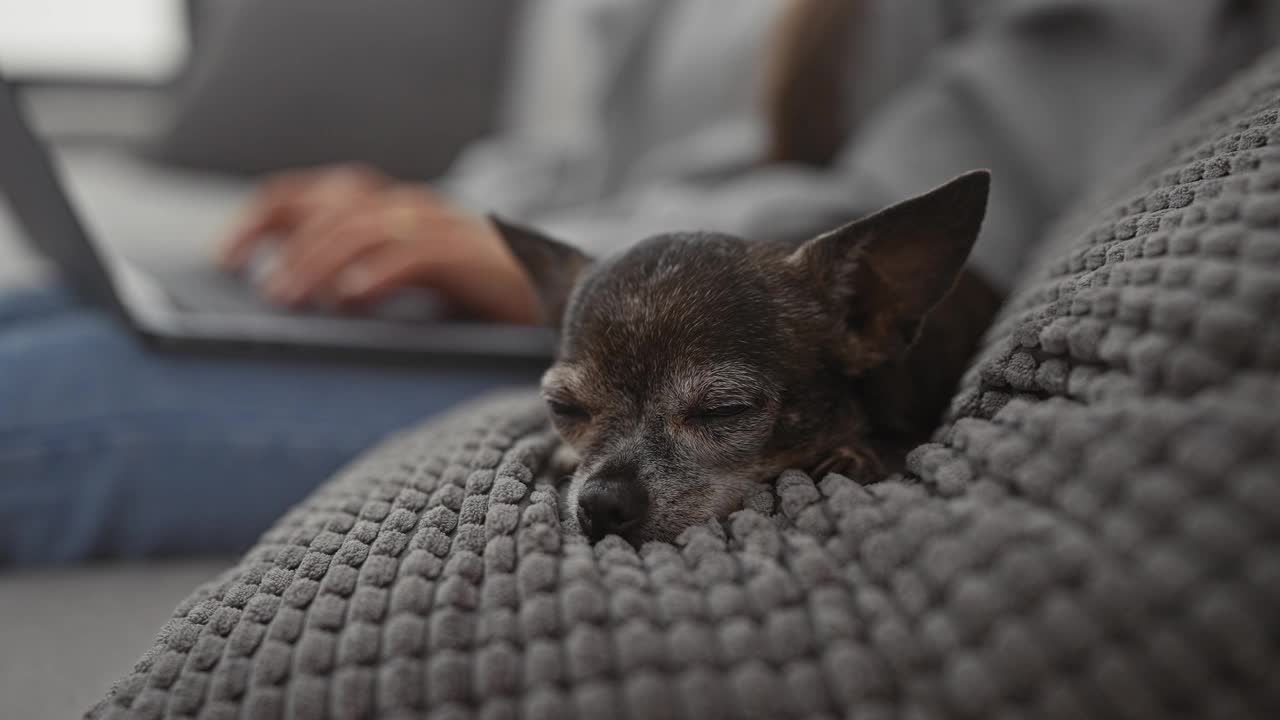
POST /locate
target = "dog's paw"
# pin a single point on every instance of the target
(859, 464)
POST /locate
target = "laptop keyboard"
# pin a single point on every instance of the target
(211, 291)
(207, 290)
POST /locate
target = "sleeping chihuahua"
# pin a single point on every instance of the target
(695, 365)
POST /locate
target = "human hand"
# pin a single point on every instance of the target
(355, 237)
(288, 202)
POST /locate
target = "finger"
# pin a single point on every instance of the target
(271, 210)
(286, 199)
(357, 219)
(316, 225)
(316, 273)
(319, 228)
(330, 200)
(392, 267)
(500, 296)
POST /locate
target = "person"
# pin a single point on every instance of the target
(649, 121)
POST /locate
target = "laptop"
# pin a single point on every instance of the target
(194, 305)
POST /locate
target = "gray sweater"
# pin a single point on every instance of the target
(659, 129)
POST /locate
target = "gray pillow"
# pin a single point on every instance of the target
(1095, 532)
(400, 84)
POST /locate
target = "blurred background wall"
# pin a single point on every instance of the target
(142, 41)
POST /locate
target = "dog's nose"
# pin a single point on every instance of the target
(611, 506)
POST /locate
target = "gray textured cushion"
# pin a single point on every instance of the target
(1094, 533)
(401, 84)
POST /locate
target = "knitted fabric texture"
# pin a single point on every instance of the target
(1093, 533)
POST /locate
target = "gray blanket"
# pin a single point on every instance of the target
(1095, 532)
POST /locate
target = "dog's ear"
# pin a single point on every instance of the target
(886, 271)
(553, 266)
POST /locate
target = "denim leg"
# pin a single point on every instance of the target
(31, 305)
(109, 450)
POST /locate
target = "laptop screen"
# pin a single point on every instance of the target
(34, 194)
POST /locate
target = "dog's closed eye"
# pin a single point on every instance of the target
(566, 410)
(714, 413)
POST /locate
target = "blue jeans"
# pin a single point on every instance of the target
(108, 449)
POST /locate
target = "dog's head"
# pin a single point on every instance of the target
(694, 365)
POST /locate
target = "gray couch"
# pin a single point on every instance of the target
(1094, 532)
